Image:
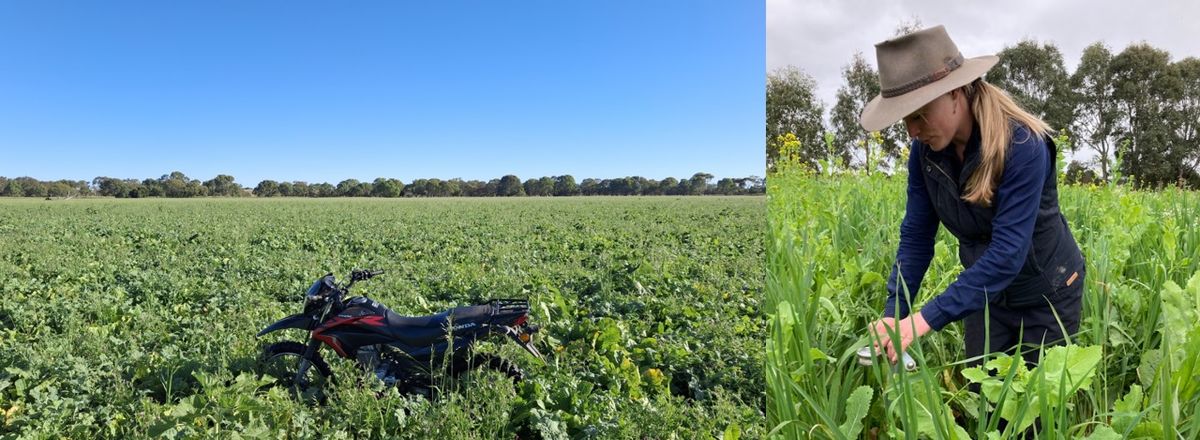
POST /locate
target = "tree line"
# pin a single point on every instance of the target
(176, 184)
(1136, 108)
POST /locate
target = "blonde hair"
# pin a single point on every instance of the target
(995, 111)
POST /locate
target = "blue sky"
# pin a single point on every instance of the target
(324, 91)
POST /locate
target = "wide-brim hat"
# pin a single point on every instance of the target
(915, 69)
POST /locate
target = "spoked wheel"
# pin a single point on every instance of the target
(284, 363)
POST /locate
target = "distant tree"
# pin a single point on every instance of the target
(492, 188)
(565, 186)
(69, 188)
(177, 184)
(699, 183)
(1036, 78)
(669, 186)
(652, 188)
(31, 187)
(119, 188)
(348, 188)
(1077, 173)
(476, 188)
(57, 189)
(151, 188)
(792, 107)
(684, 187)
(364, 189)
(860, 87)
(1144, 91)
(509, 186)
(174, 184)
(590, 187)
(604, 187)
(1095, 109)
(547, 186)
(757, 185)
(1184, 117)
(324, 189)
(417, 188)
(12, 188)
(223, 185)
(302, 189)
(267, 188)
(727, 186)
(539, 187)
(384, 187)
(625, 186)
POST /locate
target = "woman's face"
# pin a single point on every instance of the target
(937, 122)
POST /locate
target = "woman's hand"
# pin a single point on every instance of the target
(910, 328)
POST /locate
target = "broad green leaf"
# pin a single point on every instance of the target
(1131, 402)
(817, 354)
(1103, 433)
(975, 374)
(1186, 376)
(1070, 366)
(856, 408)
(1126, 409)
(732, 432)
(1147, 429)
(1147, 368)
(960, 433)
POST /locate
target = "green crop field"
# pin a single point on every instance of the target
(137, 318)
(1133, 373)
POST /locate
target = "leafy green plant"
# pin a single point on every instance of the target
(136, 318)
(1132, 371)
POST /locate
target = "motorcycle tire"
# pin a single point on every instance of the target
(281, 361)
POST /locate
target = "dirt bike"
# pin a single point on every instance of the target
(401, 351)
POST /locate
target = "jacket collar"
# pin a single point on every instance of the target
(971, 155)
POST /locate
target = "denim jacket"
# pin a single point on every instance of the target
(1017, 252)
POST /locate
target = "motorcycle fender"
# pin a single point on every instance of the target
(299, 320)
(528, 346)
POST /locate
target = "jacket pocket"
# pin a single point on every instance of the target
(1030, 287)
(1065, 267)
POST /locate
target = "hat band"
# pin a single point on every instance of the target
(951, 65)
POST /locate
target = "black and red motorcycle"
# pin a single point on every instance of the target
(401, 351)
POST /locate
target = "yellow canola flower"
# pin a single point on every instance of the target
(655, 375)
(10, 413)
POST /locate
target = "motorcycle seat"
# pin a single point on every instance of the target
(421, 331)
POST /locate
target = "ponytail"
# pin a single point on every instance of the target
(995, 111)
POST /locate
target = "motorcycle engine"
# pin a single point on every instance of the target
(370, 359)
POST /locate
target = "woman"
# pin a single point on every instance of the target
(984, 168)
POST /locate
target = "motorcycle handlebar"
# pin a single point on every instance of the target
(366, 274)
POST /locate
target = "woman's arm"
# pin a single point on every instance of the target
(917, 233)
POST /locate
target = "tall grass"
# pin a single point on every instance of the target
(1128, 373)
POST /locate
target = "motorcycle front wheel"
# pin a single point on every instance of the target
(284, 363)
